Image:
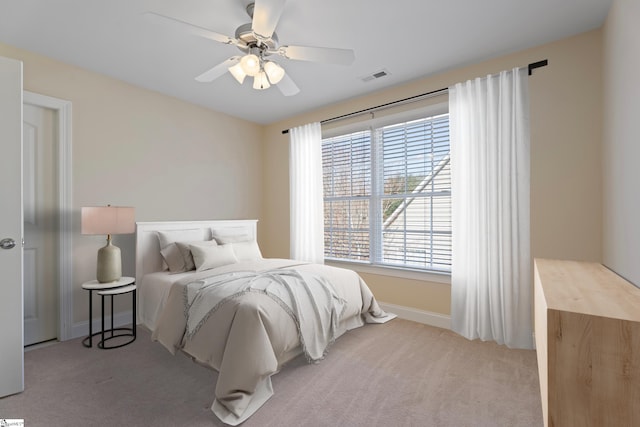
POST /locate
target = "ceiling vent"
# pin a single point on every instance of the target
(374, 76)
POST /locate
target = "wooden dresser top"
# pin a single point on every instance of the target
(587, 287)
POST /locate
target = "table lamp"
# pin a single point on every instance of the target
(108, 220)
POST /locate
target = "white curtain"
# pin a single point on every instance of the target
(491, 265)
(305, 188)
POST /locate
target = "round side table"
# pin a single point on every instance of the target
(124, 285)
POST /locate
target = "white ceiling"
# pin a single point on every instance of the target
(408, 38)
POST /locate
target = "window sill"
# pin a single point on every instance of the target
(404, 273)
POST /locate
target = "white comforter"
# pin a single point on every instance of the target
(247, 319)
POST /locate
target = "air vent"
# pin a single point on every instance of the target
(374, 76)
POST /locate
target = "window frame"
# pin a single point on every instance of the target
(371, 125)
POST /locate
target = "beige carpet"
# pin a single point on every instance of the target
(397, 374)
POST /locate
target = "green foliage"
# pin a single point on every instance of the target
(389, 207)
(398, 185)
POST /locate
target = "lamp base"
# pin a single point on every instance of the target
(109, 263)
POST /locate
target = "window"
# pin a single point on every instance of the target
(387, 195)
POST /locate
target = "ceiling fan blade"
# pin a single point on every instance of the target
(218, 70)
(266, 14)
(287, 86)
(318, 54)
(191, 28)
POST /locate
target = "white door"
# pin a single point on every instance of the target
(40, 224)
(11, 318)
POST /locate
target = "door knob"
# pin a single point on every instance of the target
(7, 243)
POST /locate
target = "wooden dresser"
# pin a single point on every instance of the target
(587, 330)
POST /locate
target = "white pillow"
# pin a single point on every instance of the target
(172, 236)
(231, 235)
(185, 250)
(247, 251)
(208, 257)
(223, 240)
(166, 238)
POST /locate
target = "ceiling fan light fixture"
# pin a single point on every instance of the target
(257, 40)
(238, 73)
(274, 71)
(250, 64)
(260, 81)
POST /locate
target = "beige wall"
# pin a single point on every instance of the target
(173, 160)
(566, 195)
(169, 159)
(621, 140)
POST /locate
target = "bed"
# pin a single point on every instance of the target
(204, 289)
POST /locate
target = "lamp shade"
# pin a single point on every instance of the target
(238, 73)
(108, 220)
(274, 72)
(260, 81)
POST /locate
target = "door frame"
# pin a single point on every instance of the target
(65, 210)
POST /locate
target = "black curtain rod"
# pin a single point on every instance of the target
(530, 68)
(377, 107)
(538, 64)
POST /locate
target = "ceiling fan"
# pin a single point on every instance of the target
(258, 42)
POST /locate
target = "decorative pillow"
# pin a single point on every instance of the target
(173, 258)
(185, 251)
(208, 257)
(246, 251)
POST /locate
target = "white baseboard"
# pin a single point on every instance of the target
(420, 316)
(81, 329)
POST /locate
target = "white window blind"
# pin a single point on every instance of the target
(346, 163)
(387, 195)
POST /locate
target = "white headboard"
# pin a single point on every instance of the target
(148, 258)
